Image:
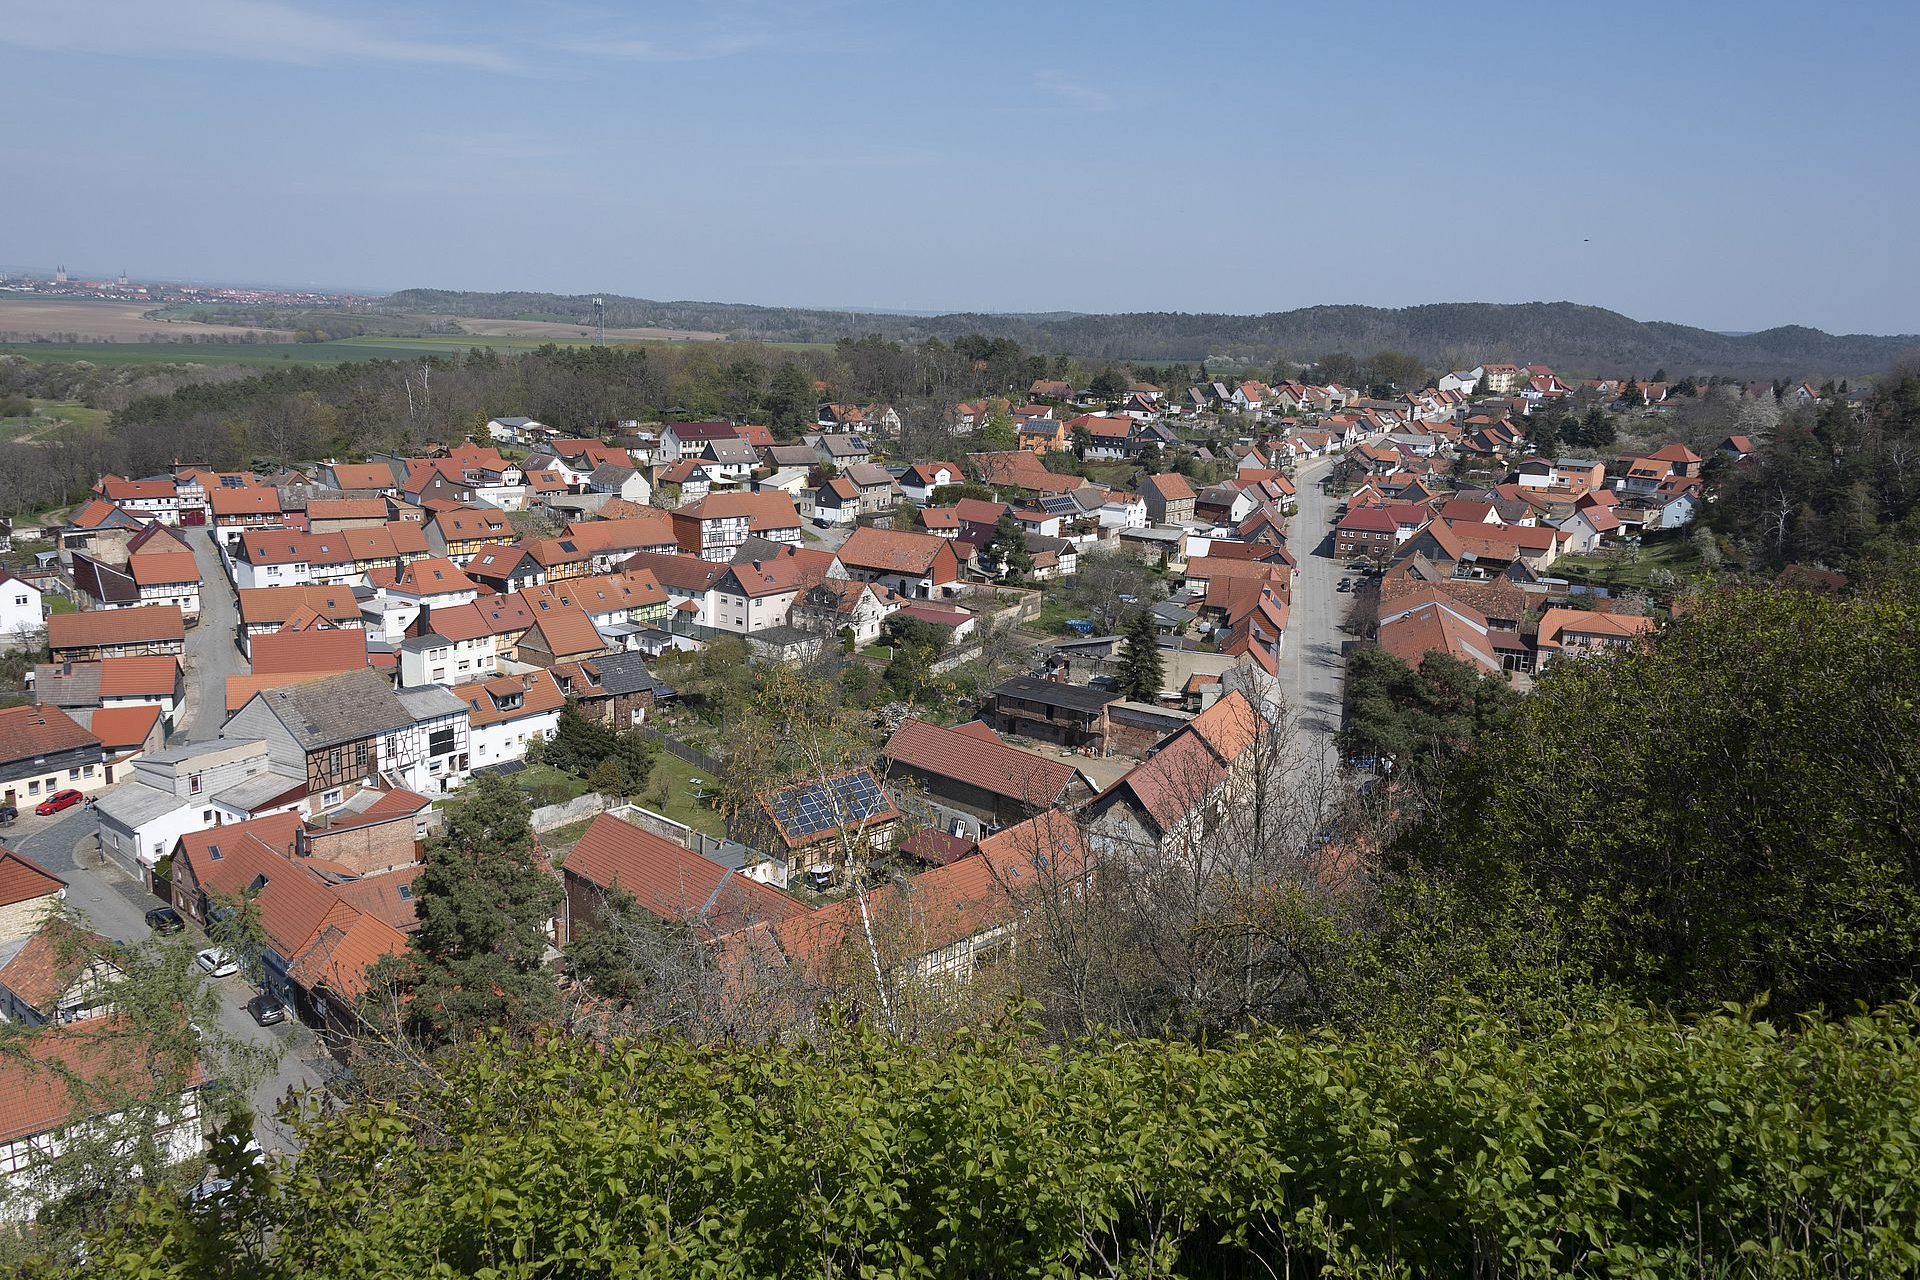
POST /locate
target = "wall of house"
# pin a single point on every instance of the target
(21, 919)
(507, 740)
(23, 1200)
(369, 848)
(25, 783)
(254, 721)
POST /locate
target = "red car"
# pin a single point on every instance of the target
(57, 801)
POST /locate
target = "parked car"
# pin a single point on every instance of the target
(218, 963)
(165, 920)
(57, 801)
(1346, 584)
(8, 815)
(267, 1009)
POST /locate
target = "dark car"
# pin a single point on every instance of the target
(267, 1009)
(165, 920)
(8, 815)
(57, 801)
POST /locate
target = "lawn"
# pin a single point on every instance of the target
(546, 785)
(1053, 616)
(1629, 567)
(57, 604)
(680, 804)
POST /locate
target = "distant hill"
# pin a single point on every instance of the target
(1574, 339)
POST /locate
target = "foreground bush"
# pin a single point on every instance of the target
(1627, 1146)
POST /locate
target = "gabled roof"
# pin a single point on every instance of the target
(103, 1055)
(341, 708)
(26, 732)
(1171, 486)
(244, 502)
(981, 761)
(463, 524)
(673, 882)
(505, 698)
(1556, 623)
(347, 509)
(273, 605)
(24, 880)
(321, 649)
(134, 677)
(498, 563)
(362, 475)
(894, 551)
(98, 513)
(815, 810)
(124, 728)
(145, 624)
(566, 633)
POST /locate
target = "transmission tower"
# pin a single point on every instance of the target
(599, 322)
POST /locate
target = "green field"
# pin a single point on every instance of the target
(282, 353)
(1627, 567)
(53, 419)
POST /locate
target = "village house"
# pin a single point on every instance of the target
(187, 788)
(505, 713)
(972, 780)
(1169, 498)
(616, 688)
(717, 524)
(558, 636)
(916, 565)
(1567, 633)
(821, 823)
(323, 932)
(354, 730)
(664, 879)
(54, 1090)
(1067, 715)
(843, 606)
(1176, 799)
(918, 482)
(43, 750)
(264, 610)
(22, 611)
(119, 633)
(459, 533)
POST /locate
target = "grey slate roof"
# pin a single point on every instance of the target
(343, 708)
(1052, 693)
(430, 702)
(624, 673)
(258, 790)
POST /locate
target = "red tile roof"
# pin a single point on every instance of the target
(26, 732)
(991, 766)
(284, 652)
(123, 677)
(22, 879)
(37, 1085)
(145, 624)
(673, 882)
(124, 728)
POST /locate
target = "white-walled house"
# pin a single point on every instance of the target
(21, 613)
(191, 788)
(507, 712)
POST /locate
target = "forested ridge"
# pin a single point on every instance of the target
(1577, 340)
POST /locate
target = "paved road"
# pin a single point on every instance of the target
(1311, 667)
(213, 652)
(115, 906)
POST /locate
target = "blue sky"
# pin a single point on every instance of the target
(1730, 165)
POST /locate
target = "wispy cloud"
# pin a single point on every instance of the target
(252, 30)
(696, 45)
(1073, 91)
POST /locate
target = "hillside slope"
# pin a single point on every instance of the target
(1576, 339)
